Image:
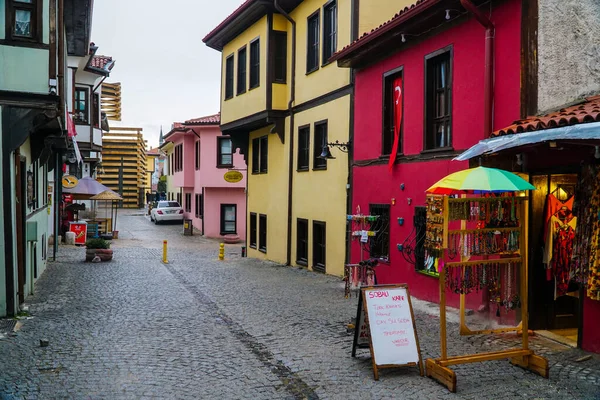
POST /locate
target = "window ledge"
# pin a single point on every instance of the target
(326, 63)
(240, 93)
(312, 70)
(303, 169)
(24, 43)
(228, 98)
(429, 274)
(438, 150)
(252, 246)
(263, 250)
(386, 157)
(303, 263)
(253, 87)
(224, 165)
(228, 233)
(280, 82)
(320, 169)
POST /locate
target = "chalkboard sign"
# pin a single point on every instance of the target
(392, 337)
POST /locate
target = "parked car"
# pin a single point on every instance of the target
(166, 211)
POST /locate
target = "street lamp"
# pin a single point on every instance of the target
(326, 153)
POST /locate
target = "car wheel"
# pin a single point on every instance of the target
(156, 222)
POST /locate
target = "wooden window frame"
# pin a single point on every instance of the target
(188, 202)
(329, 48)
(95, 98)
(279, 58)
(178, 150)
(253, 228)
(36, 24)
(262, 244)
(197, 154)
(380, 225)
(222, 220)
(420, 223)
(260, 158)
(242, 70)
(229, 77)
(319, 164)
(314, 47)
(254, 64)
(430, 100)
(316, 264)
(303, 152)
(86, 113)
(198, 206)
(220, 154)
(302, 259)
(387, 123)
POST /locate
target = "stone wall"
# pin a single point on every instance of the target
(568, 52)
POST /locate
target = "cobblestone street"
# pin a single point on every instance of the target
(200, 328)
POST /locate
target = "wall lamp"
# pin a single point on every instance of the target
(326, 153)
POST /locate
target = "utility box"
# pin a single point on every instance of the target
(188, 227)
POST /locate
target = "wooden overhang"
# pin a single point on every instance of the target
(78, 26)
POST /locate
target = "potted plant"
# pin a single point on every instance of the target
(98, 247)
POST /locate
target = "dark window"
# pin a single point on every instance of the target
(179, 158)
(279, 56)
(303, 147)
(319, 249)
(329, 30)
(197, 154)
(228, 219)
(253, 242)
(379, 245)
(260, 155)
(312, 44)
(262, 233)
(81, 105)
(302, 241)
(320, 142)
(254, 64)
(241, 72)
(178, 199)
(24, 19)
(420, 224)
(390, 95)
(199, 207)
(438, 101)
(229, 77)
(96, 110)
(224, 152)
(188, 202)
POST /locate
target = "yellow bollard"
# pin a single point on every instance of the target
(164, 260)
(221, 252)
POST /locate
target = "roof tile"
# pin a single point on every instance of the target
(588, 111)
(208, 120)
(101, 62)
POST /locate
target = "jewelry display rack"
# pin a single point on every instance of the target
(363, 273)
(498, 242)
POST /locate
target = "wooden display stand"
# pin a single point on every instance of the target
(438, 368)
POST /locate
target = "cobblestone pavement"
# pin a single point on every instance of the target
(199, 328)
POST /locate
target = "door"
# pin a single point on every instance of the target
(547, 311)
(20, 210)
(228, 219)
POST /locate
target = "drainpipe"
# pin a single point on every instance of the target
(489, 64)
(290, 104)
(61, 59)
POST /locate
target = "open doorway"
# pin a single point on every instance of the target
(554, 297)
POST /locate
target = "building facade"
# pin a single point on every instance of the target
(282, 102)
(423, 72)
(208, 177)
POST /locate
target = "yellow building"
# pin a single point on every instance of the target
(282, 102)
(166, 151)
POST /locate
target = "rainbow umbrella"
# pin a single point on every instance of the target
(480, 180)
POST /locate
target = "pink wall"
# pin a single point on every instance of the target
(214, 197)
(374, 184)
(209, 175)
(184, 178)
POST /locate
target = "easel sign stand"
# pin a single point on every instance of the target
(438, 368)
(392, 336)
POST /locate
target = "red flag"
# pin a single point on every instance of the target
(71, 130)
(397, 120)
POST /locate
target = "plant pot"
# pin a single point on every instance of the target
(115, 235)
(104, 254)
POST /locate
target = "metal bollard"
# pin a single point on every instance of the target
(243, 251)
(221, 251)
(164, 259)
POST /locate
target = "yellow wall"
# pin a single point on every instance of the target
(321, 195)
(281, 92)
(252, 101)
(329, 77)
(268, 194)
(373, 13)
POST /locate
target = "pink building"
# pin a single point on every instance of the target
(207, 177)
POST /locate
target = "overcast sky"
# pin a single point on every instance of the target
(167, 74)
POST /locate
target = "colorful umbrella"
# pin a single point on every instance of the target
(480, 180)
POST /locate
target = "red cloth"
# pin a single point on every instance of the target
(552, 206)
(71, 130)
(397, 120)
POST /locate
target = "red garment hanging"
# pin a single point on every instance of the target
(553, 205)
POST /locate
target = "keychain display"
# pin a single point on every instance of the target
(434, 233)
(359, 275)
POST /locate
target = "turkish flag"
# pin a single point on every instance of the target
(397, 95)
(71, 130)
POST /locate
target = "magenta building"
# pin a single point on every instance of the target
(207, 177)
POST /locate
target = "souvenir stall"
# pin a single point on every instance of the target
(363, 273)
(477, 223)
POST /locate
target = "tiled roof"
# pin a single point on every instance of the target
(588, 111)
(230, 18)
(153, 152)
(101, 62)
(208, 120)
(398, 18)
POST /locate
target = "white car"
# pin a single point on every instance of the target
(166, 211)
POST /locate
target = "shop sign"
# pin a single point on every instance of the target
(69, 181)
(233, 176)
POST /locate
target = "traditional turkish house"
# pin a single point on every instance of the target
(426, 78)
